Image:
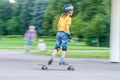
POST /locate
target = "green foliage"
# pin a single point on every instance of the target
(54, 25)
(26, 14)
(52, 14)
(78, 26)
(5, 9)
(2, 26)
(32, 14)
(94, 22)
(13, 26)
(90, 20)
(38, 15)
(6, 14)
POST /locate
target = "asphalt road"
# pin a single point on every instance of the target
(16, 65)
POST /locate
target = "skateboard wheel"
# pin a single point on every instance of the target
(44, 68)
(71, 68)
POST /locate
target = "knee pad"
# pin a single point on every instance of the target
(57, 49)
(64, 49)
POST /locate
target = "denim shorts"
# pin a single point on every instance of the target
(61, 40)
(29, 42)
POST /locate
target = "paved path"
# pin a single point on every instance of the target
(15, 65)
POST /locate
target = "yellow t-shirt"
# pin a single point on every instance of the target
(63, 21)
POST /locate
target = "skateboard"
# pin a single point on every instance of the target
(46, 66)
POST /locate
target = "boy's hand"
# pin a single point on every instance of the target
(69, 40)
(69, 37)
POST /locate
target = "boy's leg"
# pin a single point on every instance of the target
(57, 47)
(62, 60)
(28, 45)
(27, 48)
(52, 57)
(64, 49)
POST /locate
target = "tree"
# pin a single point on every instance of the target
(32, 14)
(6, 14)
(2, 24)
(90, 19)
(27, 14)
(52, 14)
(13, 26)
(38, 15)
(6, 10)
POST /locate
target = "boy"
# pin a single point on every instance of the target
(63, 34)
(30, 35)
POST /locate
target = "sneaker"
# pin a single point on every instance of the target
(27, 51)
(63, 63)
(50, 61)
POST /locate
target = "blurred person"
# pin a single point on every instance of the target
(41, 45)
(63, 34)
(30, 36)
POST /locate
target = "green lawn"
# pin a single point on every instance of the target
(79, 54)
(19, 42)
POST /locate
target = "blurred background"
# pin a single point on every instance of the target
(90, 20)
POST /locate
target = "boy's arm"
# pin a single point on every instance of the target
(35, 36)
(68, 32)
(58, 26)
(67, 28)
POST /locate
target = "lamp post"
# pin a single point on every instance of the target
(115, 32)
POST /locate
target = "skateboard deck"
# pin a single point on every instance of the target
(46, 66)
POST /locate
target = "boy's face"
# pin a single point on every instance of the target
(70, 12)
(31, 27)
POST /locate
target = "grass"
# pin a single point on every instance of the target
(18, 43)
(79, 54)
(12, 43)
